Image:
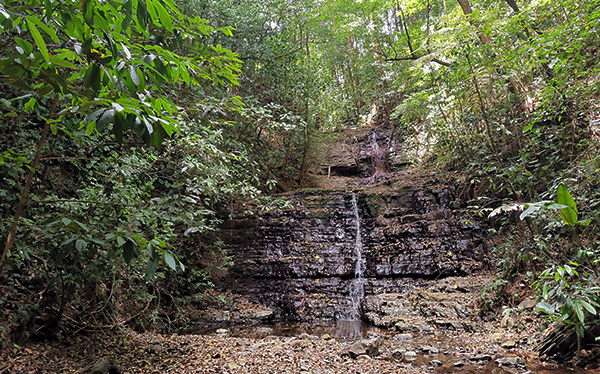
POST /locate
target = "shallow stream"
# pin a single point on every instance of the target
(439, 360)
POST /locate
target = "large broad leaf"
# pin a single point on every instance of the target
(569, 214)
(151, 267)
(128, 251)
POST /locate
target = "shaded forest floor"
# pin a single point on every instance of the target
(487, 345)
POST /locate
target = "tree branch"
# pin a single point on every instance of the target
(413, 58)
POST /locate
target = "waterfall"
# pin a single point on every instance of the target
(357, 289)
(378, 156)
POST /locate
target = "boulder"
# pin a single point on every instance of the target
(368, 347)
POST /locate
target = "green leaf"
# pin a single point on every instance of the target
(26, 47)
(569, 215)
(164, 16)
(80, 244)
(128, 251)
(134, 75)
(87, 7)
(587, 306)
(91, 78)
(104, 120)
(170, 260)
(579, 312)
(119, 126)
(37, 37)
(29, 105)
(56, 60)
(90, 128)
(151, 10)
(545, 307)
(51, 33)
(151, 267)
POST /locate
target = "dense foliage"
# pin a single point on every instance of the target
(127, 126)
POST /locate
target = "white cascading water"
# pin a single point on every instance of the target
(357, 289)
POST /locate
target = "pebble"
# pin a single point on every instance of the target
(513, 361)
(436, 363)
(222, 332)
(509, 344)
(403, 337)
(232, 366)
(430, 350)
(410, 356)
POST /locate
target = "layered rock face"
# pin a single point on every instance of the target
(364, 152)
(300, 257)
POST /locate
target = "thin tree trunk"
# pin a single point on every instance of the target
(10, 237)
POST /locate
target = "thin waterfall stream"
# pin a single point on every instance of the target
(357, 289)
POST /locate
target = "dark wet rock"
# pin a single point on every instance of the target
(511, 361)
(429, 350)
(364, 152)
(481, 357)
(368, 347)
(299, 260)
(398, 354)
(105, 366)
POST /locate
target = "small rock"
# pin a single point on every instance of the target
(364, 358)
(232, 366)
(459, 364)
(263, 330)
(430, 350)
(105, 366)
(302, 343)
(263, 314)
(242, 342)
(436, 363)
(326, 337)
(509, 344)
(398, 354)
(306, 336)
(513, 361)
(482, 357)
(222, 332)
(403, 337)
(410, 356)
(527, 304)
